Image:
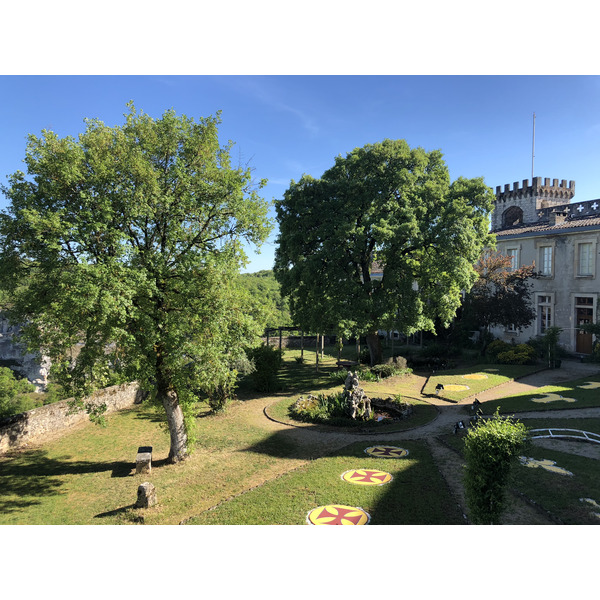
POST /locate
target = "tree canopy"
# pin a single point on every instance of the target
(500, 296)
(389, 204)
(125, 245)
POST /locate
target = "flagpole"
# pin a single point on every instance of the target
(533, 148)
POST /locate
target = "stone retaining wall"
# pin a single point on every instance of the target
(34, 425)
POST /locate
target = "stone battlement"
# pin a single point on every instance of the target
(537, 189)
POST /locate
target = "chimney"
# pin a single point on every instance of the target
(557, 217)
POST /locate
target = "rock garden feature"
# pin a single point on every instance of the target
(338, 514)
(351, 406)
(356, 402)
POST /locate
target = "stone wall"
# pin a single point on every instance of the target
(35, 425)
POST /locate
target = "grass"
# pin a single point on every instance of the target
(558, 494)
(494, 375)
(583, 398)
(87, 476)
(416, 494)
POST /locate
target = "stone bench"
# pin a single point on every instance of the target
(143, 460)
(346, 363)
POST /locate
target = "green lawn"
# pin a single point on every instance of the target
(416, 495)
(572, 393)
(87, 476)
(488, 376)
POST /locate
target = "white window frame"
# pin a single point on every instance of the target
(546, 267)
(514, 257)
(547, 302)
(591, 272)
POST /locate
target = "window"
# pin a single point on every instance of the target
(513, 253)
(585, 259)
(511, 217)
(544, 311)
(546, 260)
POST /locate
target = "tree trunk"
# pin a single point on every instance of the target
(168, 397)
(317, 352)
(375, 350)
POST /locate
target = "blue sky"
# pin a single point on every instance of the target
(289, 125)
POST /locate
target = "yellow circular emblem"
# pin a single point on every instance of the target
(338, 514)
(386, 451)
(455, 387)
(366, 477)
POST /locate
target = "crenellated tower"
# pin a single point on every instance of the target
(522, 204)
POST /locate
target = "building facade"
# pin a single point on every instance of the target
(540, 223)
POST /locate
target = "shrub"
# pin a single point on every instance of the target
(398, 361)
(495, 348)
(267, 362)
(521, 354)
(389, 370)
(366, 374)
(491, 447)
(10, 390)
(319, 408)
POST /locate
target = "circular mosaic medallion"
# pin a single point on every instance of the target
(475, 376)
(455, 387)
(366, 477)
(386, 451)
(338, 514)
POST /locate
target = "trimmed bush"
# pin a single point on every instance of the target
(521, 354)
(491, 448)
(496, 347)
(267, 362)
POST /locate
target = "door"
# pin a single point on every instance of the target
(583, 340)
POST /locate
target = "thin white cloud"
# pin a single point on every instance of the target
(262, 94)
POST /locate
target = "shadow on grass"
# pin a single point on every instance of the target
(31, 475)
(125, 513)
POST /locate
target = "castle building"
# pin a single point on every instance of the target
(540, 224)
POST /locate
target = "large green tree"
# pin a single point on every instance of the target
(388, 203)
(123, 245)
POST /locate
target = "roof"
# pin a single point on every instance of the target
(567, 226)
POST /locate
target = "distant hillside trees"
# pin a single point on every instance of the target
(270, 306)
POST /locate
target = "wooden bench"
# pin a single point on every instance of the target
(143, 460)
